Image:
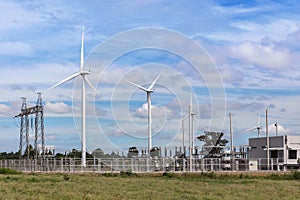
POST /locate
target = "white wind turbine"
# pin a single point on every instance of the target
(278, 128)
(82, 73)
(148, 90)
(258, 127)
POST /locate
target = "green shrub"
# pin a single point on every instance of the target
(109, 174)
(169, 174)
(8, 171)
(296, 175)
(210, 175)
(67, 177)
(275, 176)
(127, 173)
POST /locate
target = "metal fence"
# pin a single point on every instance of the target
(141, 164)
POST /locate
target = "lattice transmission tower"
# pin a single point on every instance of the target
(37, 112)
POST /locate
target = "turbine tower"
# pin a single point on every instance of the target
(191, 131)
(148, 90)
(82, 74)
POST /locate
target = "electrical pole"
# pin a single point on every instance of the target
(190, 135)
(268, 142)
(231, 135)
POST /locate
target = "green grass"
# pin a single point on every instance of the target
(128, 185)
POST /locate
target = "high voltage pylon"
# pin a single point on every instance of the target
(36, 111)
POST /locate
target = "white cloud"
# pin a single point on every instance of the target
(51, 137)
(58, 108)
(114, 75)
(281, 129)
(276, 30)
(5, 110)
(156, 111)
(268, 56)
(231, 74)
(241, 9)
(115, 132)
(16, 48)
(41, 73)
(14, 15)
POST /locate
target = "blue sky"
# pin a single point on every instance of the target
(253, 45)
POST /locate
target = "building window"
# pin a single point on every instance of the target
(274, 154)
(280, 156)
(292, 154)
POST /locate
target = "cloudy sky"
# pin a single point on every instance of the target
(232, 56)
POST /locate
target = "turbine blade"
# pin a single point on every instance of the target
(250, 129)
(185, 117)
(65, 80)
(191, 100)
(82, 50)
(93, 88)
(258, 120)
(138, 86)
(5, 116)
(154, 82)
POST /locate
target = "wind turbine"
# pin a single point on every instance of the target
(278, 128)
(258, 127)
(148, 90)
(82, 74)
(276, 125)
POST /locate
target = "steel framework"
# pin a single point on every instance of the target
(36, 111)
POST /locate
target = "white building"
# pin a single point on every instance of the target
(284, 152)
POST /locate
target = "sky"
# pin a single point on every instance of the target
(239, 57)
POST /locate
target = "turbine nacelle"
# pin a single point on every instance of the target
(150, 89)
(82, 72)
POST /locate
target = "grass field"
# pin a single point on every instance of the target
(149, 186)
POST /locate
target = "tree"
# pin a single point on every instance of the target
(59, 155)
(98, 153)
(29, 152)
(74, 154)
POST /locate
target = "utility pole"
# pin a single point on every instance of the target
(231, 135)
(182, 124)
(190, 135)
(268, 142)
(231, 142)
(193, 132)
(183, 139)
